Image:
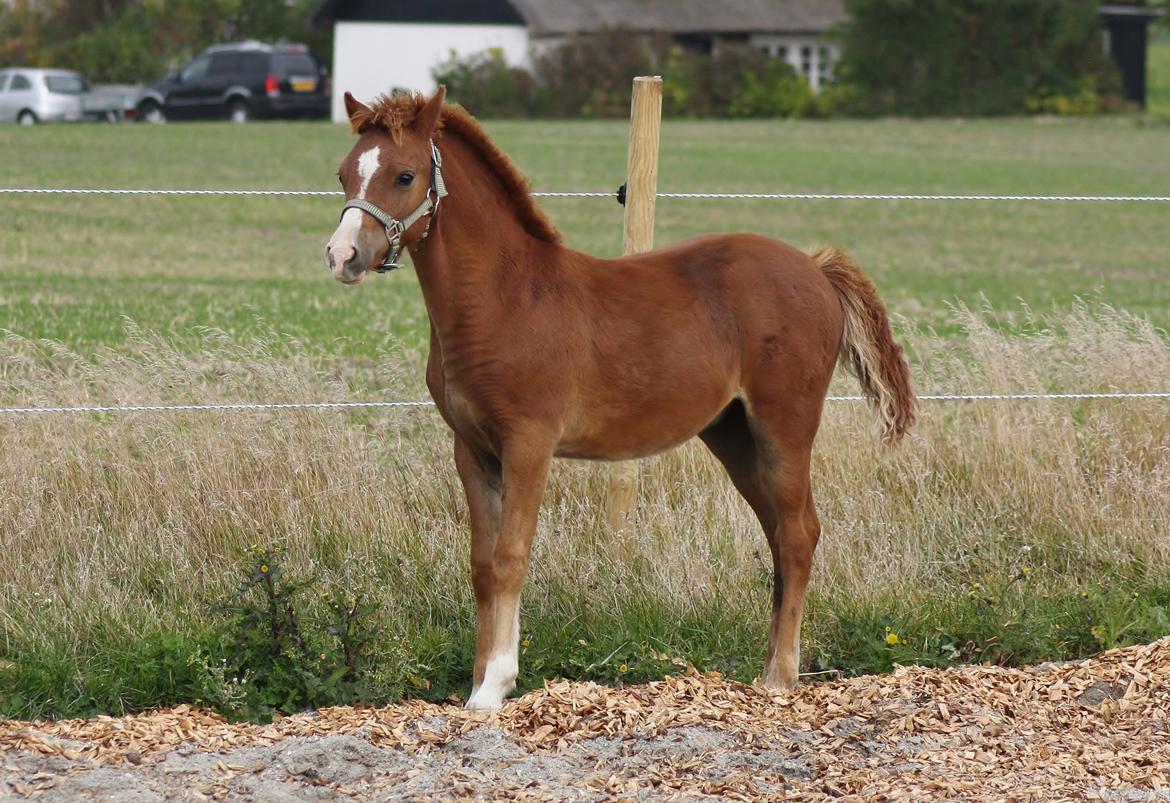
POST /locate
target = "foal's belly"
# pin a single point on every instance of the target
(642, 428)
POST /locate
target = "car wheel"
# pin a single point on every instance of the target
(27, 117)
(151, 112)
(238, 111)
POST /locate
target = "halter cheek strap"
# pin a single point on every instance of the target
(395, 228)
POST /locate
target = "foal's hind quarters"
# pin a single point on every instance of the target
(539, 351)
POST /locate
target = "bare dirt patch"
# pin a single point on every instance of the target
(1097, 729)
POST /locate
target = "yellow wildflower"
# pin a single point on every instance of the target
(891, 638)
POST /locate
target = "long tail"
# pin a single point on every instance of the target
(867, 346)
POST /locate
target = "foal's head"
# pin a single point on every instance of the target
(390, 168)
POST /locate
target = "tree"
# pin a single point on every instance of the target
(1163, 8)
(139, 40)
(966, 57)
(22, 24)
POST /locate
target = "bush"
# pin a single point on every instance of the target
(592, 75)
(1086, 100)
(486, 84)
(737, 82)
(119, 53)
(771, 89)
(975, 57)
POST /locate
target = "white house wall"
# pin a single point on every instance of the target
(370, 58)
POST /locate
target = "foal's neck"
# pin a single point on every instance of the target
(477, 240)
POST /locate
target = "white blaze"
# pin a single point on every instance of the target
(351, 221)
(367, 167)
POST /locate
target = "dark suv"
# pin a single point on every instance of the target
(239, 82)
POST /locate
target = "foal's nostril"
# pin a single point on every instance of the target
(342, 257)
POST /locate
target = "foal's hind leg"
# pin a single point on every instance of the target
(769, 466)
(730, 439)
(793, 543)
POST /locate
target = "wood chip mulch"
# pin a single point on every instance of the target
(1094, 729)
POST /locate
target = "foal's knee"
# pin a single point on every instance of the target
(509, 568)
(482, 574)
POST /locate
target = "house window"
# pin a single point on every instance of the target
(824, 65)
(806, 54)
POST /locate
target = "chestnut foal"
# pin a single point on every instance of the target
(538, 351)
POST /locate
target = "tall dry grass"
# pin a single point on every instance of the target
(132, 522)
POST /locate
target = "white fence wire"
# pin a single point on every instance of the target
(750, 196)
(398, 405)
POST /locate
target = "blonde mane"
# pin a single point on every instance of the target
(394, 113)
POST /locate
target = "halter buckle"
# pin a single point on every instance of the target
(390, 261)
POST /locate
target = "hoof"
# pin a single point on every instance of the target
(481, 702)
(498, 682)
(775, 684)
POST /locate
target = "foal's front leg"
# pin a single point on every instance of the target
(498, 571)
(483, 485)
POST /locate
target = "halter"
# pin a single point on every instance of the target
(395, 228)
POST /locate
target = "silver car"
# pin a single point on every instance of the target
(29, 96)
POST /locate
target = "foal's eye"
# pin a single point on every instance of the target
(404, 178)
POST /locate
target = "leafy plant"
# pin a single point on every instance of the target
(280, 657)
(486, 84)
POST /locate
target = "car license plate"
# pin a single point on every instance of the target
(303, 84)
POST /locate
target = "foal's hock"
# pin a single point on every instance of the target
(538, 351)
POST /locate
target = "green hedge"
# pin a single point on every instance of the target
(910, 57)
(976, 57)
(591, 76)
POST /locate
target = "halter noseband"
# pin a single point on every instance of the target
(395, 228)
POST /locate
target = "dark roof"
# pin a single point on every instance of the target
(682, 16)
(499, 12)
(552, 17)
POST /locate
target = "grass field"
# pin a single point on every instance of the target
(73, 266)
(1005, 532)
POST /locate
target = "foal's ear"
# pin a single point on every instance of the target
(354, 107)
(428, 115)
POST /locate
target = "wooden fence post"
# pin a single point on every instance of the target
(641, 188)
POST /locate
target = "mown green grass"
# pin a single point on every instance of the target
(72, 267)
(127, 535)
